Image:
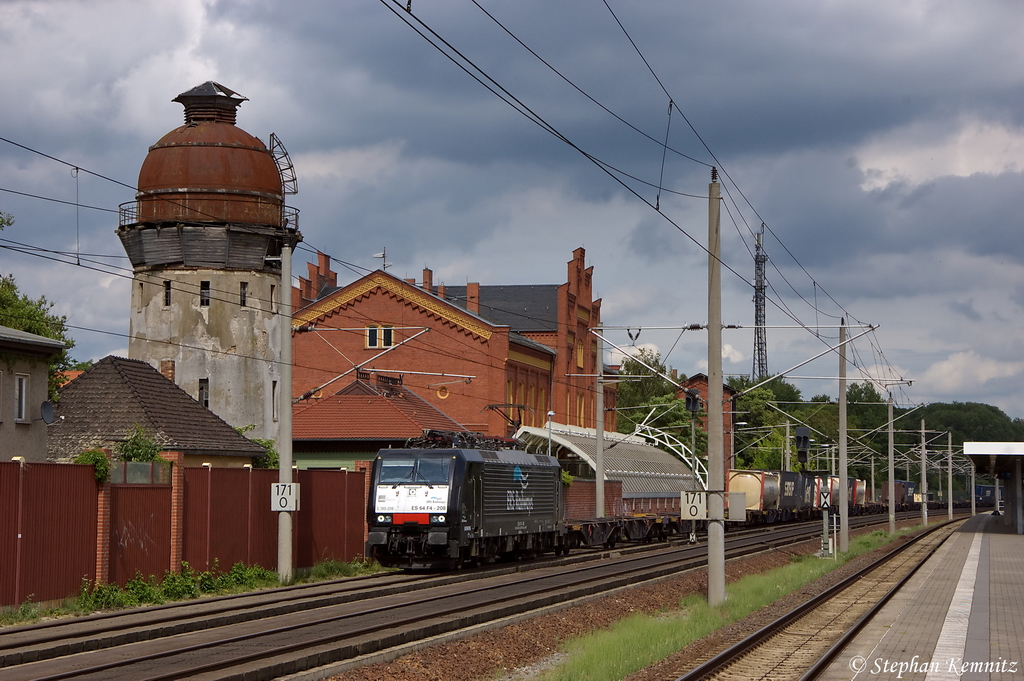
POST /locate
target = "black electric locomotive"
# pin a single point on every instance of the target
(437, 508)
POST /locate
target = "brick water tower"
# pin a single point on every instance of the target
(204, 236)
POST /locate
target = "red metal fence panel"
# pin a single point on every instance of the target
(140, 524)
(216, 517)
(10, 498)
(49, 510)
(229, 516)
(196, 523)
(262, 520)
(330, 522)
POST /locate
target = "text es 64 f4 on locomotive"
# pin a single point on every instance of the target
(434, 508)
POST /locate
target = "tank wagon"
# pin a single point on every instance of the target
(436, 508)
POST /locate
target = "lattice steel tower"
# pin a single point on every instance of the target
(760, 369)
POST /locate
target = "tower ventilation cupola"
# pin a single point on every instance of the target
(210, 102)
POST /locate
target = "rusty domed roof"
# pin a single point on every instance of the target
(210, 154)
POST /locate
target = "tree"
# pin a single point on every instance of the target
(20, 312)
(139, 446)
(636, 391)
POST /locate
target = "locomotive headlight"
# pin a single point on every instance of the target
(383, 519)
(437, 519)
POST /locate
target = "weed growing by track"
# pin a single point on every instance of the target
(641, 640)
(178, 586)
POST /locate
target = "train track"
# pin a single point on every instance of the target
(268, 634)
(802, 642)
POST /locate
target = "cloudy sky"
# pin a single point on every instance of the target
(881, 143)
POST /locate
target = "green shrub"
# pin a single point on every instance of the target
(26, 612)
(180, 586)
(142, 590)
(139, 446)
(103, 597)
(98, 460)
(335, 569)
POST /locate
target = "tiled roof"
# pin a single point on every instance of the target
(520, 339)
(361, 412)
(102, 406)
(525, 307)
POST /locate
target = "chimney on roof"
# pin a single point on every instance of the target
(428, 280)
(167, 369)
(210, 103)
(440, 290)
(473, 297)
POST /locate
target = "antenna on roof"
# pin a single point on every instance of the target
(383, 255)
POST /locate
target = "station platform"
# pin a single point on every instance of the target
(961, 616)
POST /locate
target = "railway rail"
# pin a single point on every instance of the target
(268, 634)
(802, 642)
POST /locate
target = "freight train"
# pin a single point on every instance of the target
(450, 500)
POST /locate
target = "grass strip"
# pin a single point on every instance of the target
(185, 584)
(641, 640)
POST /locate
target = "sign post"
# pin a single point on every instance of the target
(826, 503)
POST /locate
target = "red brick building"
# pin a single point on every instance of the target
(729, 420)
(470, 351)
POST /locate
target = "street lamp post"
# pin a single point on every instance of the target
(551, 416)
(732, 442)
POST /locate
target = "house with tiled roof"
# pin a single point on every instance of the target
(490, 357)
(23, 390)
(359, 420)
(101, 407)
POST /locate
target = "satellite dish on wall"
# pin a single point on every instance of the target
(46, 409)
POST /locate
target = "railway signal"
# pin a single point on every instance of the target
(803, 443)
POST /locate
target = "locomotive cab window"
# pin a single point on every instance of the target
(416, 471)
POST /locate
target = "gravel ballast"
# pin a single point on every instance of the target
(521, 651)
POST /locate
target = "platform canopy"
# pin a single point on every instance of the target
(994, 458)
(644, 470)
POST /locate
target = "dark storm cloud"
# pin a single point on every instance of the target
(825, 117)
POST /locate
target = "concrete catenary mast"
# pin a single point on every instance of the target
(204, 237)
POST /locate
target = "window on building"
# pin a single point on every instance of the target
(379, 336)
(273, 298)
(167, 293)
(243, 293)
(204, 392)
(273, 399)
(20, 397)
(204, 294)
(579, 354)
